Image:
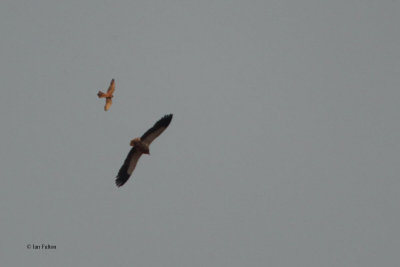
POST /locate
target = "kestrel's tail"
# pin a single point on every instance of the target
(100, 94)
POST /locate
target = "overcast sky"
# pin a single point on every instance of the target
(283, 150)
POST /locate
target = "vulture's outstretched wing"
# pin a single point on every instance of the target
(127, 168)
(156, 130)
(108, 103)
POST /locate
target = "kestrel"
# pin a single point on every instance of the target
(108, 96)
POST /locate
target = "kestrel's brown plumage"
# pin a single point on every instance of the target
(141, 146)
(108, 96)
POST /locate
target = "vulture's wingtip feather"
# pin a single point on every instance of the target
(165, 121)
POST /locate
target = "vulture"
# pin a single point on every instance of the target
(108, 95)
(140, 145)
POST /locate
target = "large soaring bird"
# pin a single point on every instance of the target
(108, 95)
(140, 145)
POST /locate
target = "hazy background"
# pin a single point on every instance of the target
(283, 150)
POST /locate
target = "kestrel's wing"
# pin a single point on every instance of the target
(156, 130)
(111, 88)
(108, 103)
(127, 168)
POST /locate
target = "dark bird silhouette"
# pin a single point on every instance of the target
(108, 96)
(140, 145)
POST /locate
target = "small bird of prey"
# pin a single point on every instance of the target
(108, 95)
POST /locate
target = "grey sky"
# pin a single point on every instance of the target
(283, 150)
